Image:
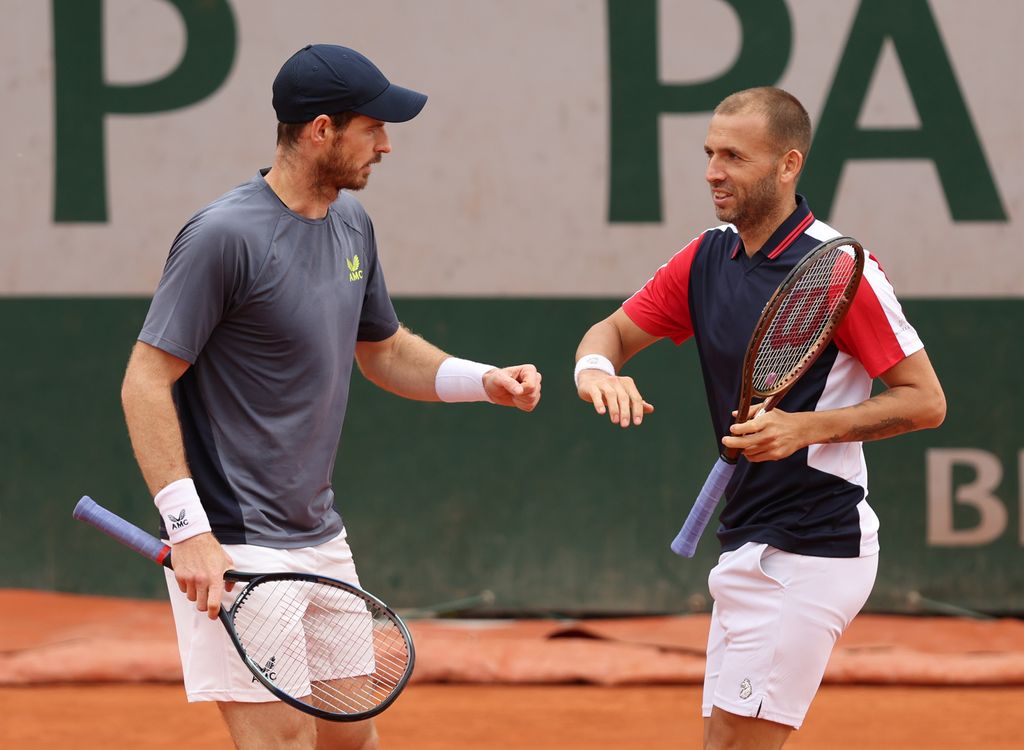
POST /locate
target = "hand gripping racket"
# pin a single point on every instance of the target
(795, 326)
(323, 646)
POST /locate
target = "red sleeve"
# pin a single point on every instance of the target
(662, 306)
(875, 331)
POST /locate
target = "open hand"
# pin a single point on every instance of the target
(616, 395)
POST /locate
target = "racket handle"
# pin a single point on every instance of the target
(685, 543)
(127, 533)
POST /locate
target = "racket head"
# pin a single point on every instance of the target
(321, 645)
(800, 319)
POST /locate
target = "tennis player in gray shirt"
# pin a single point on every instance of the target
(236, 391)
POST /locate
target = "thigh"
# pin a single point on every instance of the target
(781, 615)
(339, 627)
(212, 668)
(334, 559)
(713, 662)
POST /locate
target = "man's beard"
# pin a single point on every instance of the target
(336, 173)
(757, 205)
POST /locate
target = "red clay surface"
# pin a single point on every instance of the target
(570, 717)
(121, 684)
(89, 639)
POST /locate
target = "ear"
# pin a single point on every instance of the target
(318, 129)
(790, 166)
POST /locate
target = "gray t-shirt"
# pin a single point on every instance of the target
(267, 305)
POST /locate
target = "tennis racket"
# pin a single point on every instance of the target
(323, 646)
(796, 325)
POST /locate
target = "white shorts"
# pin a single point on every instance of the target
(212, 668)
(775, 620)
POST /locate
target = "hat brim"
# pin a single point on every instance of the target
(393, 104)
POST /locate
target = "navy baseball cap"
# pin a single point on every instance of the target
(324, 79)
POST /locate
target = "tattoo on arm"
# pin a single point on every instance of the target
(886, 428)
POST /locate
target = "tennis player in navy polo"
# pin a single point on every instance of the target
(237, 389)
(799, 540)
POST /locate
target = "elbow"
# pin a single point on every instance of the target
(128, 390)
(936, 413)
(371, 374)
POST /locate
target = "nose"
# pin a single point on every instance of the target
(383, 142)
(714, 171)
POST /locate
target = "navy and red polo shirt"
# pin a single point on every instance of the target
(812, 502)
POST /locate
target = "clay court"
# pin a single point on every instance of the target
(102, 673)
(503, 717)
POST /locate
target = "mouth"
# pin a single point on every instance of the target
(720, 197)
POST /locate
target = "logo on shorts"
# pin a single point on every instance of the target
(268, 669)
(179, 521)
(355, 273)
(746, 689)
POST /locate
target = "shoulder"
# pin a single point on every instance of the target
(719, 240)
(714, 245)
(820, 232)
(241, 217)
(351, 212)
(245, 207)
(714, 240)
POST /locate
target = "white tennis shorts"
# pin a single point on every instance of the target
(212, 668)
(775, 620)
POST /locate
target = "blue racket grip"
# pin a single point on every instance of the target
(125, 532)
(685, 543)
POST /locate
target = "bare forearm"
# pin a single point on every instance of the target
(913, 401)
(603, 338)
(405, 365)
(893, 412)
(154, 431)
(616, 337)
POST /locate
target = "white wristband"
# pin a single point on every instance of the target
(181, 510)
(460, 380)
(592, 362)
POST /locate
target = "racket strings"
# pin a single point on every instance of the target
(803, 320)
(385, 650)
(322, 644)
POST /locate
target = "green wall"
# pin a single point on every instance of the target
(557, 511)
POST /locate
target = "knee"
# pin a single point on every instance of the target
(721, 738)
(364, 739)
(267, 725)
(372, 741)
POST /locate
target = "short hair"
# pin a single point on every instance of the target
(789, 126)
(288, 132)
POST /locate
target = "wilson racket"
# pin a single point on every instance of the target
(323, 646)
(796, 325)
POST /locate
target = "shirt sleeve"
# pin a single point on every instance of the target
(875, 331)
(203, 272)
(662, 306)
(377, 320)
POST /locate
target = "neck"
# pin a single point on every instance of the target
(289, 178)
(754, 236)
